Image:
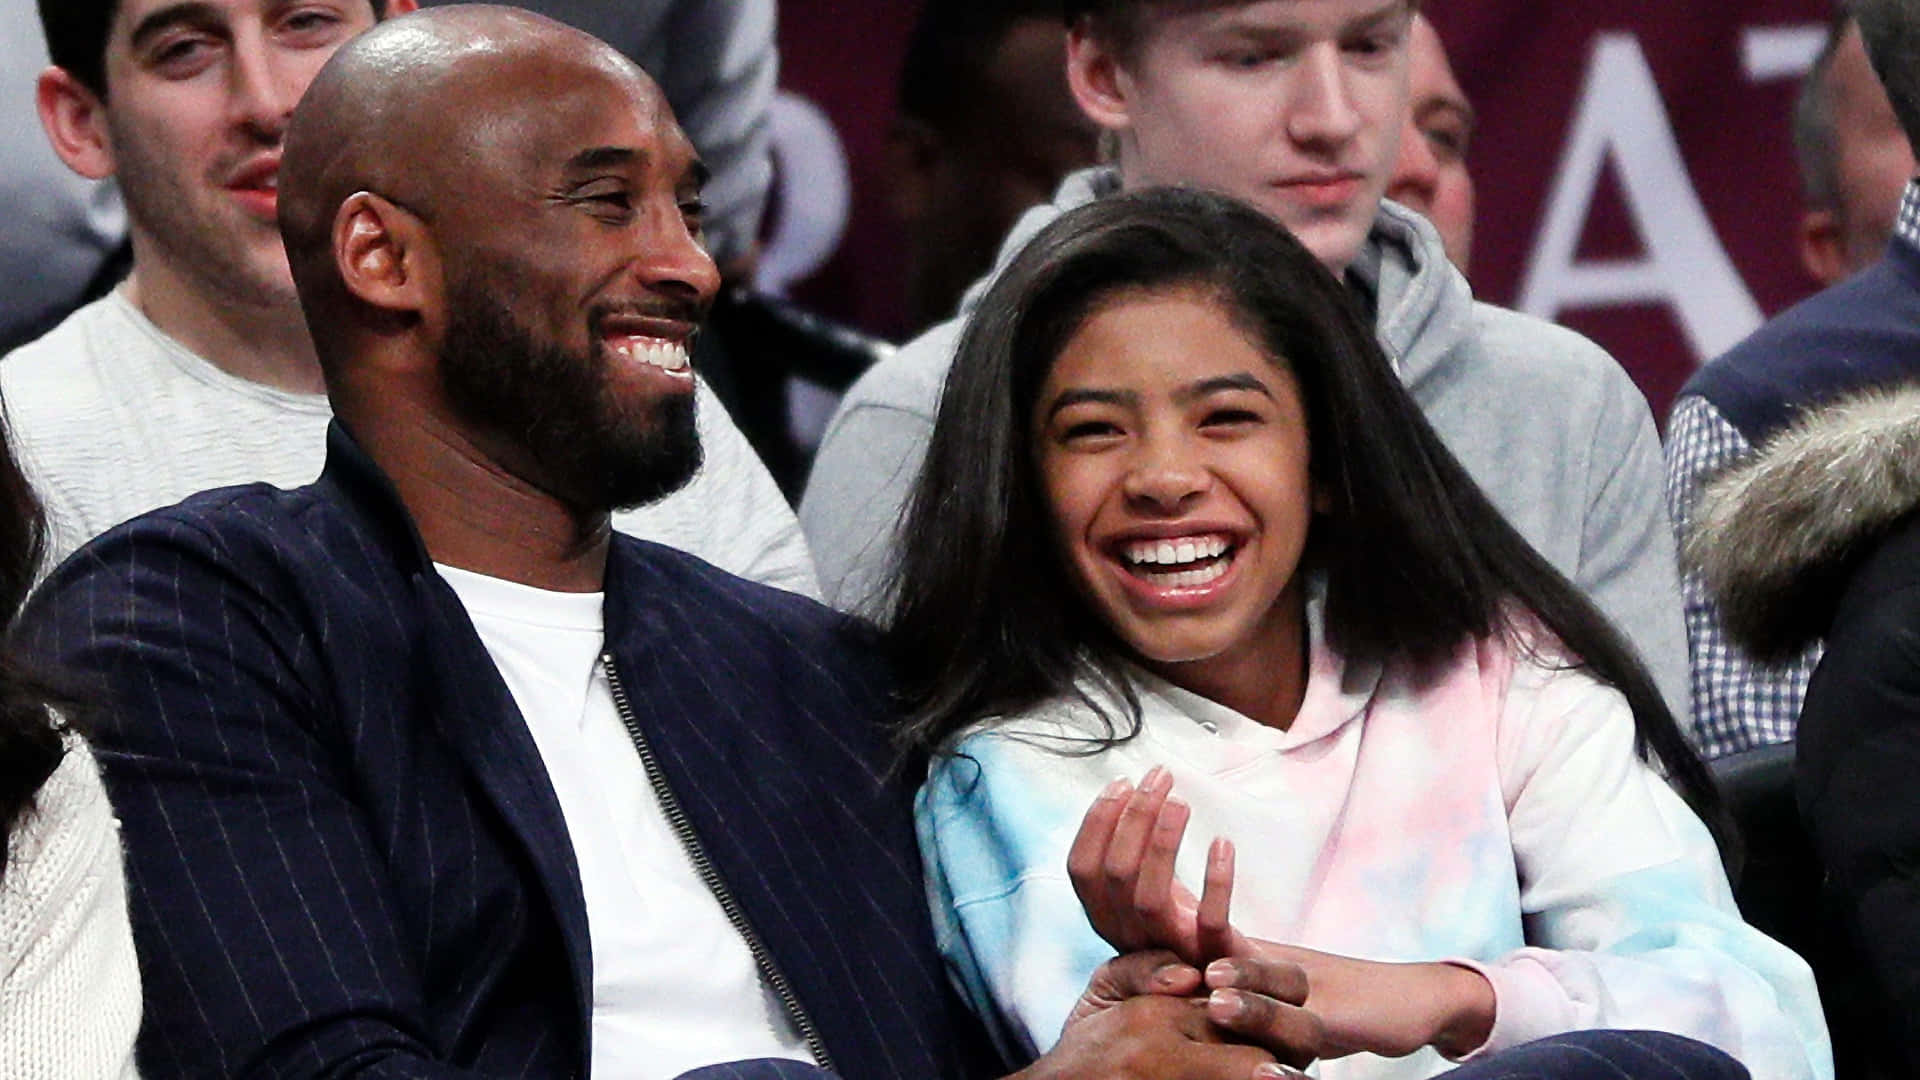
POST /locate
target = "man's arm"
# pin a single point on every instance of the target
(269, 937)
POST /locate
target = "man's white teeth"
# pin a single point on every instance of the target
(1176, 551)
(666, 355)
(271, 183)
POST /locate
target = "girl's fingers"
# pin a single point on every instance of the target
(1155, 905)
(1213, 919)
(1089, 851)
(1125, 852)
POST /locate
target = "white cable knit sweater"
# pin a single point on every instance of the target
(69, 984)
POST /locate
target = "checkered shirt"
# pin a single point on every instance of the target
(1738, 702)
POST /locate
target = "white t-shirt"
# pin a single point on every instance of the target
(112, 418)
(674, 986)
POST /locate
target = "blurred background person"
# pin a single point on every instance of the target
(1854, 159)
(986, 128)
(1431, 174)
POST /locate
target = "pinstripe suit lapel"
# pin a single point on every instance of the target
(477, 716)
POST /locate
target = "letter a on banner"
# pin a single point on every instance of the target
(1684, 267)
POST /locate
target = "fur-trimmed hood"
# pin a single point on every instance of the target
(1776, 537)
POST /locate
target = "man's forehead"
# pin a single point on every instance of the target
(139, 18)
(590, 120)
(1259, 14)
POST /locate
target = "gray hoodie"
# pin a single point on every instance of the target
(1553, 430)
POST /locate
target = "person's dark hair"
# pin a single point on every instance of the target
(1890, 29)
(984, 619)
(31, 743)
(77, 33)
(1813, 133)
(950, 51)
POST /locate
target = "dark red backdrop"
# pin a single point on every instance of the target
(1674, 221)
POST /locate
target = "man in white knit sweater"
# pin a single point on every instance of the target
(197, 371)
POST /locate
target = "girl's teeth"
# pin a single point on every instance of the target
(1175, 552)
(1187, 578)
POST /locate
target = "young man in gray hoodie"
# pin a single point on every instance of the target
(1297, 106)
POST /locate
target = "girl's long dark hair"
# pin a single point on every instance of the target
(984, 620)
(31, 745)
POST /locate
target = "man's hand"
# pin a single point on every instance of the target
(1257, 1002)
(1155, 1037)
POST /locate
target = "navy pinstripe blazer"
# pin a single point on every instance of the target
(344, 853)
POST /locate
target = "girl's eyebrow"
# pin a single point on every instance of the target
(1220, 384)
(1086, 395)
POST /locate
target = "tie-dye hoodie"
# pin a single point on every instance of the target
(1496, 816)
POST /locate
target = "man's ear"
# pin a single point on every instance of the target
(1099, 81)
(384, 254)
(75, 120)
(1823, 251)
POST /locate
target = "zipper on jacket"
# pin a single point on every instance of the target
(682, 828)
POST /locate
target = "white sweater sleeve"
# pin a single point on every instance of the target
(70, 989)
(1626, 908)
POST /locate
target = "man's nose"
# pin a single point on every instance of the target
(674, 257)
(264, 85)
(1321, 109)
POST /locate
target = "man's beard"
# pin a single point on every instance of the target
(594, 451)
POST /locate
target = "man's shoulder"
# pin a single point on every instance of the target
(60, 364)
(1861, 331)
(247, 534)
(1506, 336)
(1526, 359)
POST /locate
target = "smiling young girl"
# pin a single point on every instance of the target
(1179, 519)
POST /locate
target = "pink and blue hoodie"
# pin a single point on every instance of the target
(1496, 816)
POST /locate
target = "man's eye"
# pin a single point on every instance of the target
(181, 56)
(604, 197)
(310, 21)
(1372, 46)
(1448, 144)
(1248, 59)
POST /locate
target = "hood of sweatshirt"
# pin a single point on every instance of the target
(1776, 537)
(1422, 306)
